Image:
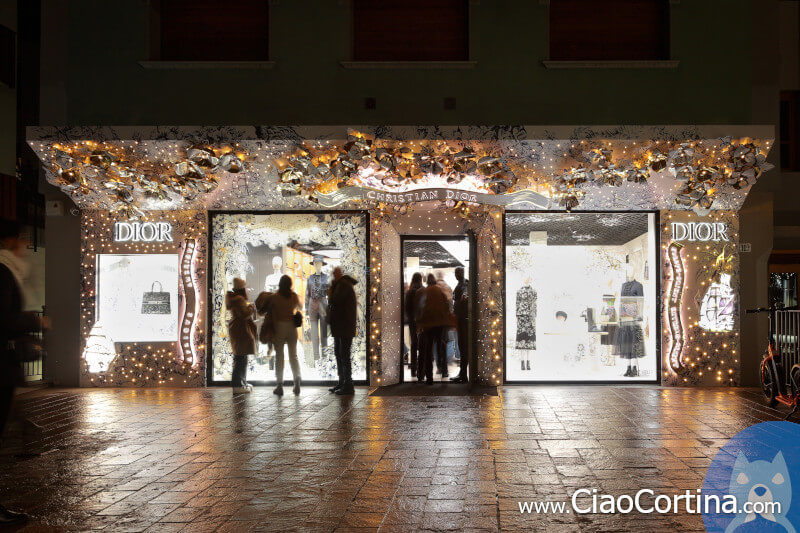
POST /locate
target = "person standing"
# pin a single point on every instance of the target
(411, 319)
(342, 305)
(242, 333)
(16, 326)
(433, 320)
(284, 304)
(461, 311)
(441, 355)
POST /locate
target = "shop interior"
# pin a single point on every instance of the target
(439, 256)
(261, 249)
(581, 297)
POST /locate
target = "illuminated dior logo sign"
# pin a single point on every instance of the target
(142, 232)
(699, 231)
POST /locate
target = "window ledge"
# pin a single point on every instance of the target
(408, 65)
(194, 65)
(654, 64)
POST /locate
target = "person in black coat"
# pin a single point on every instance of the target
(411, 319)
(15, 326)
(461, 310)
(342, 319)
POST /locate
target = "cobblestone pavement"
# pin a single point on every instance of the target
(200, 460)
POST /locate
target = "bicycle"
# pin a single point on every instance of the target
(775, 389)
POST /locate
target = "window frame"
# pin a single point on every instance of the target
(433, 64)
(669, 62)
(156, 60)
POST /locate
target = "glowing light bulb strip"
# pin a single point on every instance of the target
(190, 302)
(674, 302)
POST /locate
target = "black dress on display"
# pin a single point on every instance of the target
(526, 318)
(629, 338)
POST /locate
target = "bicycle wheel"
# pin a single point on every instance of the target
(769, 384)
(794, 378)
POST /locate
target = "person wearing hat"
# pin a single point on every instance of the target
(317, 305)
(239, 289)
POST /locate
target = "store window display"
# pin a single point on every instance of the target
(306, 247)
(584, 299)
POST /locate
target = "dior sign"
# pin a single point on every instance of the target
(142, 232)
(700, 231)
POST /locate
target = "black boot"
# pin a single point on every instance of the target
(345, 390)
(627, 373)
(523, 365)
(528, 364)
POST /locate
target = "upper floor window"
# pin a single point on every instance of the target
(790, 130)
(8, 57)
(209, 30)
(609, 30)
(411, 30)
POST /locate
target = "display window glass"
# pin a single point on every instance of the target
(137, 297)
(260, 248)
(581, 297)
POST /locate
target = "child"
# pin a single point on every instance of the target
(242, 333)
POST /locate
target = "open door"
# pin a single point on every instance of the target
(440, 256)
(473, 312)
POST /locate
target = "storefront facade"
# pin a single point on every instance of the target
(605, 255)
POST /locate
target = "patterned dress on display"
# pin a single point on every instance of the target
(629, 341)
(526, 318)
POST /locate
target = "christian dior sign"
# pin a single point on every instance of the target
(142, 232)
(700, 231)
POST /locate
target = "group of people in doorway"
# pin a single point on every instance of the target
(432, 312)
(281, 312)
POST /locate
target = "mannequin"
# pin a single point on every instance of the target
(526, 323)
(271, 283)
(630, 339)
(317, 306)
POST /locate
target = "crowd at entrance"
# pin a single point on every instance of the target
(434, 313)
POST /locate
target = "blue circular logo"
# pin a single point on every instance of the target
(753, 483)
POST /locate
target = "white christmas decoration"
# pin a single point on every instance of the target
(99, 351)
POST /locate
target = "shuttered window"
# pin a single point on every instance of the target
(209, 30)
(410, 30)
(609, 30)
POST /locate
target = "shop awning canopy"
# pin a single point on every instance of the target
(133, 169)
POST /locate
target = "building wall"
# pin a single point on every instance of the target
(728, 73)
(106, 84)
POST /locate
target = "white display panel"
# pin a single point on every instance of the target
(137, 297)
(581, 297)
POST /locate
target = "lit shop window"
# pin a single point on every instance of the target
(137, 301)
(581, 297)
(260, 249)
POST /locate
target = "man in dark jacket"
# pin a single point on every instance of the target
(15, 325)
(461, 310)
(433, 319)
(342, 319)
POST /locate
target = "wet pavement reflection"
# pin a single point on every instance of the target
(203, 460)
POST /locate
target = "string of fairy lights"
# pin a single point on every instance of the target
(139, 363)
(715, 168)
(707, 357)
